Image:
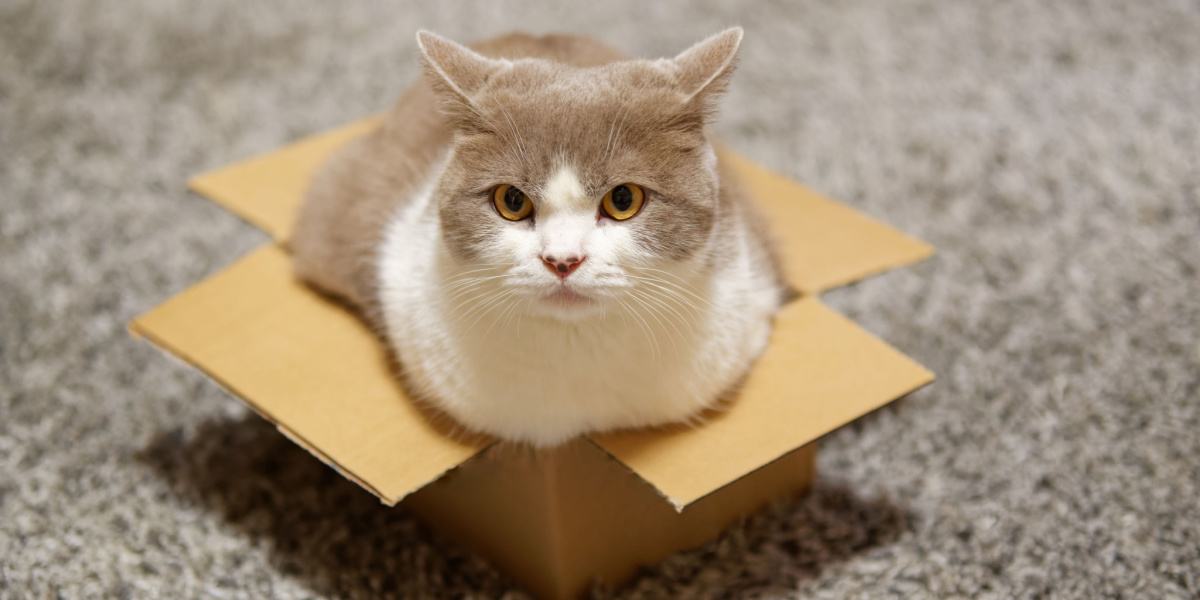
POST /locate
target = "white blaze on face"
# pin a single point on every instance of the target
(566, 216)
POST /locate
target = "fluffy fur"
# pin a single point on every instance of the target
(664, 315)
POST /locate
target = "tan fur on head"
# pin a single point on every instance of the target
(628, 121)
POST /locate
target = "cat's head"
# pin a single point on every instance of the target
(573, 187)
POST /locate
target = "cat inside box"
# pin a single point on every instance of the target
(547, 241)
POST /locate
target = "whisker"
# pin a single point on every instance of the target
(655, 314)
(680, 288)
(481, 267)
(468, 281)
(677, 278)
(693, 309)
(657, 299)
(516, 134)
(608, 144)
(487, 307)
(512, 312)
(478, 296)
(474, 286)
(645, 329)
(669, 286)
(508, 304)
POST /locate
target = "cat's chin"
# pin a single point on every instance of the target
(566, 304)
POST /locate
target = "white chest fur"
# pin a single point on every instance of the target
(541, 380)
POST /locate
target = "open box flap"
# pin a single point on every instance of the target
(311, 367)
(319, 373)
(823, 243)
(266, 190)
(819, 372)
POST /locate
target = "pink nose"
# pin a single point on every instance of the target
(562, 266)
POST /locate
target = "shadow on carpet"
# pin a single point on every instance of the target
(340, 540)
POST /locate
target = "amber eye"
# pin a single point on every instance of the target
(623, 201)
(511, 203)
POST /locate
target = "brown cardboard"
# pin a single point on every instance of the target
(267, 190)
(558, 518)
(813, 378)
(309, 366)
(824, 244)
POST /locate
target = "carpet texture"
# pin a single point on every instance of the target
(1049, 150)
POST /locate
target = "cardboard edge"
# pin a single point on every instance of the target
(675, 504)
(927, 377)
(745, 159)
(198, 185)
(926, 382)
(138, 331)
(681, 505)
(924, 251)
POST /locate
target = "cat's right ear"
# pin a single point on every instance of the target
(702, 73)
(457, 73)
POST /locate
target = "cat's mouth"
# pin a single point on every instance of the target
(565, 296)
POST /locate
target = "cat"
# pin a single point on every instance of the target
(543, 233)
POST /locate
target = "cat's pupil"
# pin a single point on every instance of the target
(622, 198)
(514, 199)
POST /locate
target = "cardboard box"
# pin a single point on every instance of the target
(595, 508)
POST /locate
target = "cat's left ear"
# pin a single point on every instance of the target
(702, 72)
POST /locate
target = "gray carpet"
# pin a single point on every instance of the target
(1051, 151)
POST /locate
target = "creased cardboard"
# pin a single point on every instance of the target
(558, 519)
(824, 244)
(314, 369)
(809, 382)
(310, 366)
(267, 190)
